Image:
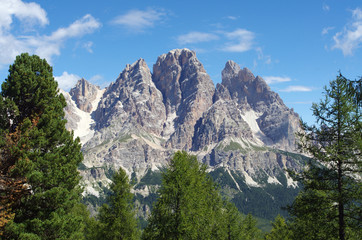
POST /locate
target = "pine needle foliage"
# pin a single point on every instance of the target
(329, 207)
(45, 154)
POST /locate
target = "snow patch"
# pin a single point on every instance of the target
(84, 126)
(249, 181)
(169, 128)
(250, 118)
(98, 99)
(89, 190)
(290, 181)
(273, 180)
(237, 185)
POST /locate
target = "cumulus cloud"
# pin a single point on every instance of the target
(196, 37)
(350, 38)
(32, 13)
(242, 40)
(296, 89)
(46, 46)
(66, 81)
(275, 79)
(138, 20)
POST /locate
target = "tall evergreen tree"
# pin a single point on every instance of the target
(189, 206)
(45, 154)
(249, 229)
(329, 207)
(280, 230)
(117, 218)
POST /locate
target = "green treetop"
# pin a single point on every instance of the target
(190, 206)
(117, 218)
(329, 207)
(39, 149)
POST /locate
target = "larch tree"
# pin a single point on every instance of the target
(329, 206)
(37, 148)
(116, 219)
(189, 205)
(280, 230)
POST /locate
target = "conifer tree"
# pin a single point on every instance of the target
(280, 230)
(44, 155)
(329, 207)
(189, 205)
(117, 218)
(249, 228)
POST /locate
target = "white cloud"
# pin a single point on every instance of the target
(266, 58)
(66, 81)
(242, 40)
(85, 25)
(138, 21)
(46, 46)
(88, 46)
(196, 37)
(350, 38)
(296, 89)
(325, 7)
(326, 30)
(30, 12)
(275, 79)
(232, 18)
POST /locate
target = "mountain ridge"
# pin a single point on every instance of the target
(142, 118)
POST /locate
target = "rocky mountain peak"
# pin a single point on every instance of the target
(187, 92)
(132, 100)
(231, 70)
(141, 119)
(83, 94)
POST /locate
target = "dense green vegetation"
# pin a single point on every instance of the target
(329, 207)
(39, 153)
(116, 220)
(190, 206)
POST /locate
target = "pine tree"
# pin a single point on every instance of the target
(45, 155)
(117, 218)
(329, 207)
(189, 205)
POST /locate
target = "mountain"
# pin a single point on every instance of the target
(241, 129)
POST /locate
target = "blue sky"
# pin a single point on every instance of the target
(296, 46)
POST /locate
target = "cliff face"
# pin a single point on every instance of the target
(141, 119)
(187, 92)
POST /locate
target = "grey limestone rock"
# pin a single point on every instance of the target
(143, 118)
(83, 94)
(187, 92)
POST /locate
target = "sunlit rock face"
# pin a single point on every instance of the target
(142, 118)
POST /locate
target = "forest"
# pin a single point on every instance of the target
(41, 197)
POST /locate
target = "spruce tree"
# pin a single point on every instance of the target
(329, 207)
(117, 218)
(189, 205)
(45, 154)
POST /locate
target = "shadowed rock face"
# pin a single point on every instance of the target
(83, 94)
(275, 120)
(143, 118)
(187, 92)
